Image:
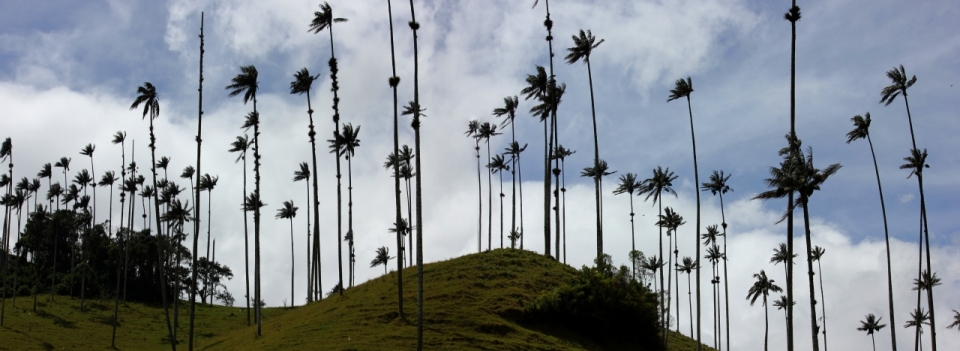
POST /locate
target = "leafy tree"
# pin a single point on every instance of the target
(763, 287)
(629, 185)
(241, 145)
(246, 83)
(289, 211)
(583, 46)
(304, 174)
(382, 258)
(509, 110)
(148, 97)
(498, 165)
(917, 319)
(302, 83)
(871, 325)
(916, 162)
(347, 143)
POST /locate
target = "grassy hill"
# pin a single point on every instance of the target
(471, 302)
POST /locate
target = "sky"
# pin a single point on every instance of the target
(69, 71)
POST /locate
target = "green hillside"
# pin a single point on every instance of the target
(471, 303)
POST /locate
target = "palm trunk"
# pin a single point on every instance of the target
(489, 200)
(766, 323)
(513, 173)
(416, 130)
(501, 209)
(823, 305)
(410, 221)
(133, 203)
(123, 247)
(696, 180)
(480, 201)
(394, 80)
(886, 236)
(292, 266)
(315, 266)
(209, 221)
(690, 302)
(669, 281)
(336, 124)
(548, 152)
(596, 161)
(815, 329)
(307, 256)
(350, 213)
(196, 203)
(246, 237)
(789, 268)
(256, 220)
(633, 239)
(926, 234)
(563, 190)
(163, 278)
(662, 308)
(520, 180)
(726, 284)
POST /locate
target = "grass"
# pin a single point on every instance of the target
(471, 303)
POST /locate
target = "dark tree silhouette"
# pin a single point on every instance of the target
(241, 145)
(301, 85)
(763, 287)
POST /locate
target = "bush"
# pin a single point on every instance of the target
(604, 305)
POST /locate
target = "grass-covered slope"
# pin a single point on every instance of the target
(471, 303)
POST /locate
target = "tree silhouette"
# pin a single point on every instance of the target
(302, 83)
(763, 287)
(241, 145)
(916, 162)
(560, 153)
(628, 185)
(655, 186)
(393, 81)
(718, 186)
(304, 174)
(488, 130)
(382, 258)
(473, 131)
(498, 165)
(871, 325)
(289, 211)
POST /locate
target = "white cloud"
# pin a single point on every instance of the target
(906, 198)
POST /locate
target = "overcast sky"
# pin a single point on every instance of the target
(69, 71)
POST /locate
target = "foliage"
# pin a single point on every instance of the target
(602, 303)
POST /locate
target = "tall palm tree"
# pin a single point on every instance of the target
(148, 97)
(781, 304)
(176, 216)
(687, 267)
(682, 89)
(583, 46)
(473, 131)
(899, 85)
(65, 164)
(926, 282)
(661, 181)
(718, 186)
(671, 220)
(792, 15)
(498, 165)
(241, 145)
(252, 203)
(394, 80)
(207, 183)
(301, 84)
(416, 109)
(382, 258)
(514, 150)
(561, 153)
(164, 163)
(871, 325)
(628, 185)
(917, 319)
(324, 19)
(88, 151)
(861, 130)
(780, 255)
(347, 143)
(597, 172)
(652, 264)
(246, 84)
(509, 110)
(107, 180)
(119, 138)
(289, 211)
(714, 256)
(304, 174)
(47, 172)
(551, 99)
(538, 86)
(816, 254)
(406, 172)
(487, 131)
(763, 287)
(916, 162)
(196, 195)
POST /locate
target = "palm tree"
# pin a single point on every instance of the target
(597, 172)
(82, 179)
(682, 89)
(780, 255)
(196, 200)
(687, 267)
(629, 185)
(252, 203)
(65, 164)
(514, 150)
(781, 304)
(652, 264)
(164, 163)
(88, 151)
(956, 320)
(301, 85)
(551, 101)
(871, 325)
(861, 130)
(347, 143)
(509, 110)
(763, 287)
(394, 80)
(498, 165)
(324, 19)
(655, 186)
(147, 96)
(304, 174)
(382, 258)
(793, 15)
(288, 211)
(714, 256)
(672, 221)
(473, 131)
(241, 145)
(917, 319)
(416, 110)
(583, 46)
(916, 162)
(207, 183)
(899, 85)
(538, 86)
(175, 217)
(246, 83)
(47, 172)
(718, 186)
(107, 180)
(118, 138)
(816, 254)
(488, 130)
(560, 153)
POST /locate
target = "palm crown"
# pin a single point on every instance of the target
(670, 220)
(682, 89)
(245, 83)
(509, 109)
(583, 46)
(861, 128)
(88, 150)
(46, 171)
(628, 184)
(302, 81)
(660, 182)
(303, 173)
(498, 163)
(717, 184)
(323, 19)
(899, 85)
(599, 170)
(241, 145)
(916, 162)
(147, 96)
(871, 325)
(762, 287)
(288, 210)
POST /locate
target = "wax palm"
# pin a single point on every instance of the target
(763, 286)
(107, 180)
(652, 264)
(688, 267)
(793, 15)
(304, 174)
(714, 256)
(899, 85)
(289, 211)
(82, 179)
(406, 172)
(539, 87)
(718, 186)
(599, 170)
(956, 320)
(241, 145)
(47, 172)
(781, 255)
(509, 110)
(816, 254)
(514, 150)
(661, 181)
(88, 151)
(302, 83)
(473, 131)
(917, 319)
(393, 81)
(671, 220)
(382, 258)
(916, 162)
(629, 185)
(208, 183)
(871, 325)
(781, 304)
(488, 130)
(498, 165)
(65, 164)
(348, 141)
(560, 153)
